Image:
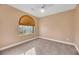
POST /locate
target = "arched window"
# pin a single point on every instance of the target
(26, 25)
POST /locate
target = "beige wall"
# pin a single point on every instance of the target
(58, 26)
(9, 18)
(77, 26)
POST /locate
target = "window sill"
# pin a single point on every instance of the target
(25, 34)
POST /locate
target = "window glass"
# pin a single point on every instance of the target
(25, 29)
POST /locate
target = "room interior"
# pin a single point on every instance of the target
(51, 28)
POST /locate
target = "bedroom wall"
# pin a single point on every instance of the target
(9, 18)
(58, 26)
(77, 26)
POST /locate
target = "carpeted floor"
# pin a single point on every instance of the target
(41, 47)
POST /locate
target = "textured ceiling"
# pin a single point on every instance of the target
(35, 9)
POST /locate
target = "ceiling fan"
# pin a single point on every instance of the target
(43, 7)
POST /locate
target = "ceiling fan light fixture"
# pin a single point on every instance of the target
(42, 10)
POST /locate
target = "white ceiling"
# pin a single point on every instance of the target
(34, 9)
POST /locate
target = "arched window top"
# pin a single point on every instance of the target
(26, 21)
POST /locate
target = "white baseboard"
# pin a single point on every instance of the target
(68, 43)
(76, 48)
(15, 44)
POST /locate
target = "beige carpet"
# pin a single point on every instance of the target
(41, 47)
